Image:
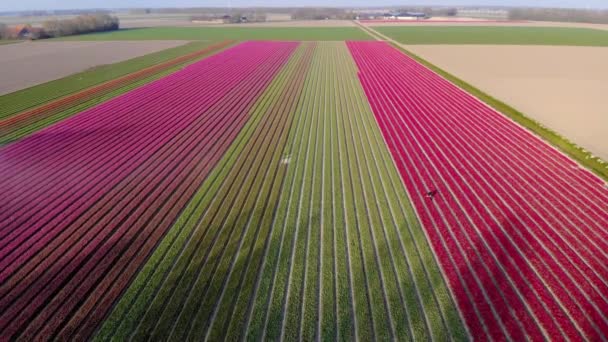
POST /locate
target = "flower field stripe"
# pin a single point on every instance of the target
(44, 175)
(9, 149)
(589, 223)
(508, 219)
(24, 123)
(255, 142)
(47, 226)
(64, 272)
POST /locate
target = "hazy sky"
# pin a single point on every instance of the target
(8, 5)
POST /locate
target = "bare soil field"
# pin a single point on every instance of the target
(30, 63)
(564, 88)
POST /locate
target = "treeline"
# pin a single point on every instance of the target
(560, 14)
(3, 31)
(321, 14)
(81, 24)
(236, 17)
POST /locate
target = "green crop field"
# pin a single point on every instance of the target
(230, 33)
(302, 230)
(495, 35)
(6, 42)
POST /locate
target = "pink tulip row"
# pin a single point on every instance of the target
(520, 230)
(85, 201)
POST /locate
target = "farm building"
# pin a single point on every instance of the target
(24, 32)
(405, 16)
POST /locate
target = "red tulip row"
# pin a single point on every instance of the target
(88, 199)
(519, 230)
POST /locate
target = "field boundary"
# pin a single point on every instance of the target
(11, 127)
(561, 143)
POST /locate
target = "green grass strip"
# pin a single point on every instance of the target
(496, 35)
(229, 33)
(19, 101)
(581, 155)
(6, 42)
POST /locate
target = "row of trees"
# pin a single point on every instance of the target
(560, 14)
(81, 24)
(66, 27)
(310, 13)
(3, 31)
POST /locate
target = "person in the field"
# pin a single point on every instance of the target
(431, 193)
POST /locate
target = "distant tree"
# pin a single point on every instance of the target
(82, 24)
(452, 12)
(560, 14)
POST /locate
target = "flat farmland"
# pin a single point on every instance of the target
(291, 190)
(302, 232)
(494, 35)
(519, 229)
(67, 256)
(31, 63)
(230, 33)
(564, 88)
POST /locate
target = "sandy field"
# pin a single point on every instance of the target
(564, 88)
(30, 63)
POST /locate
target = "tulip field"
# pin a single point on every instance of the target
(282, 190)
(520, 231)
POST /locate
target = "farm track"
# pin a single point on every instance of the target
(25, 123)
(115, 178)
(303, 230)
(518, 228)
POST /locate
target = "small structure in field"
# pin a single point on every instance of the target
(17, 31)
(24, 32)
(405, 16)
